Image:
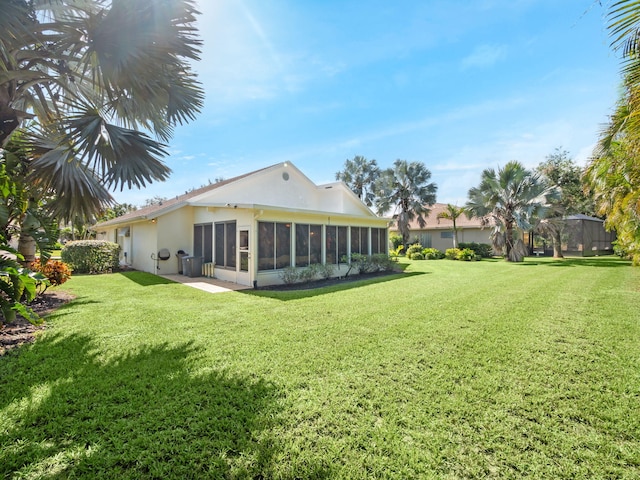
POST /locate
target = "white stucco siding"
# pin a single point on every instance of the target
(281, 187)
(143, 244)
(442, 239)
(175, 232)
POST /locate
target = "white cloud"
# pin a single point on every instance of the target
(484, 56)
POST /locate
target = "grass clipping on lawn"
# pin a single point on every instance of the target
(453, 370)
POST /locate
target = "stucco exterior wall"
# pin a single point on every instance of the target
(440, 238)
(144, 235)
(175, 232)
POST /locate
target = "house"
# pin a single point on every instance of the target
(438, 232)
(248, 228)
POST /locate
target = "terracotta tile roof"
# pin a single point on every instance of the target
(434, 223)
(169, 204)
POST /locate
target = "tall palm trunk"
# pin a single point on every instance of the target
(27, 248)
(508, 241)
(557, 244)
(455, 234)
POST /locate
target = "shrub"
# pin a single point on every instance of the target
(57, 272)
(417, 256)
(289, 275)
(396, 240)
(381, 263)
(466, 254)
(413, 249)
(326, 271)
(91, 256)
(394, 253)
(432, 254)
(309, 273)
(452, 253)
(483, 250)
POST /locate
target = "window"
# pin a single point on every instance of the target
(360, 240)
(308, 244)
(336, 244)
(203, 241)
(225, 244)
(274, 245)
(446, 234)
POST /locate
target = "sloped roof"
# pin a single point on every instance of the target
(204, 197)
(582, 216)
(172, 203)
(435, 223)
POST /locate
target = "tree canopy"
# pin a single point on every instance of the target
(85, 81)
(360, 175)
(613, 175)
(405, 192)
(510, 200)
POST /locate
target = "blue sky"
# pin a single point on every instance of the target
(460, 85)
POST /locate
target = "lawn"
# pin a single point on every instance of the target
(450, 370)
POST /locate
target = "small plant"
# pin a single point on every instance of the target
(326, 271)
(466, 254)
(57, 273)
(413, 249)
(452, 253)
(394, 253)
(310, 273)
(483, 250)
(396, 241)
(382, 262)
(432, 254)
(289, 275)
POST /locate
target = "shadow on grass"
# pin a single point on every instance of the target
(145, 279)
(68, 412)
(607, 262)
(296, 292)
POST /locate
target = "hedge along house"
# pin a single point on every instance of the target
(248, 228)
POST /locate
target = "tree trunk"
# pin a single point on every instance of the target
(9, 117)
(557, 244)
(455, 233)
(508, 241)
(27, 247)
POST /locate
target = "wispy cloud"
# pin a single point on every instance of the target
(484, 56)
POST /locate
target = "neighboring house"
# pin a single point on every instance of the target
(438, 232)
(248, 228)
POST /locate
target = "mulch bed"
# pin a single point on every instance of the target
(327, 283)
(21, 331)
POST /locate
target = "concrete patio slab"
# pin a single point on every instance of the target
(210, 285)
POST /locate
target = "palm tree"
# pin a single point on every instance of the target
(452, 213)
(360, 175)
(614, 179)
(83, 79)
(406, 193)
(613, 174)
(510, 199)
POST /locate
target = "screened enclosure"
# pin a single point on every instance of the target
(582, 236)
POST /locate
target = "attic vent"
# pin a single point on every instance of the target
(285, 176)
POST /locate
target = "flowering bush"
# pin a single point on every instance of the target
(57, 272)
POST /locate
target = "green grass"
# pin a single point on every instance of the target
(452, 370)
